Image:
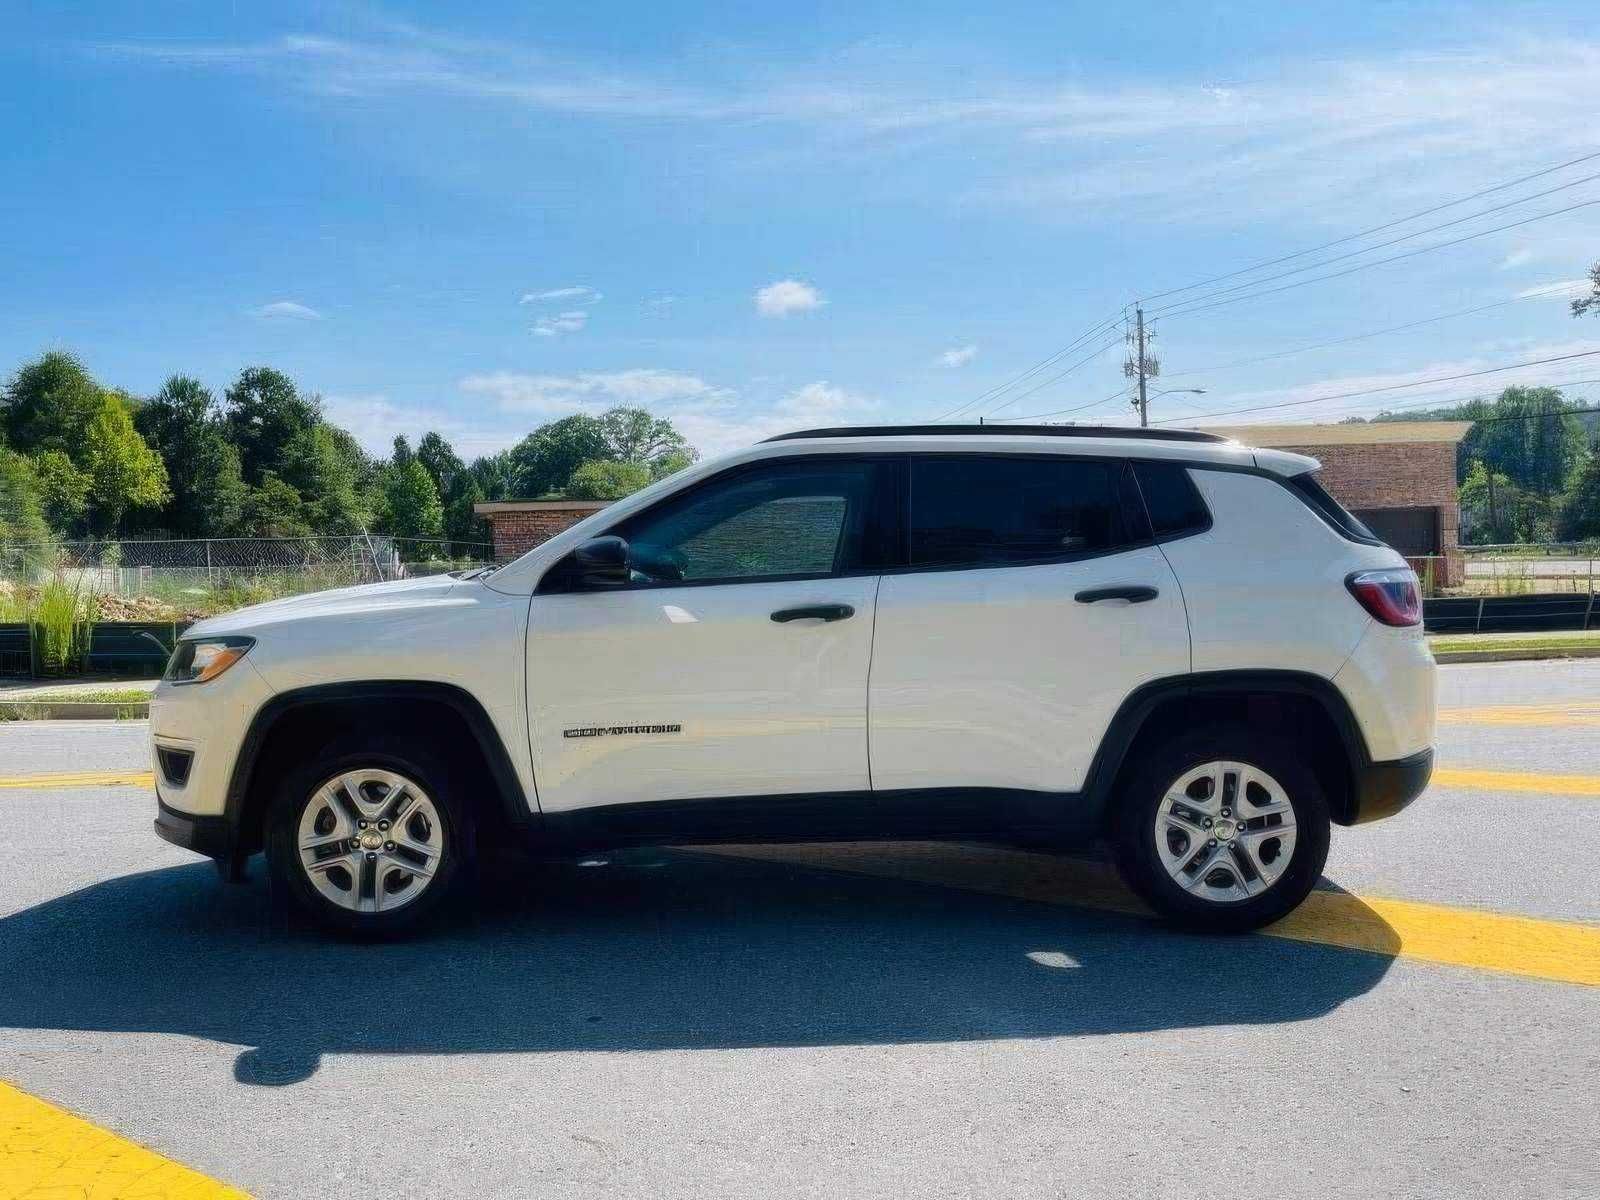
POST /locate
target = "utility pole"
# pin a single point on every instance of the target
(1141, 367)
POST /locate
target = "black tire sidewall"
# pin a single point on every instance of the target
(1134, 836)
(296, 790)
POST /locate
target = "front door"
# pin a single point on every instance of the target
(735, 665)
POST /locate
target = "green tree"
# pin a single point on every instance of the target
(671, 463)
(1591, 302)
(1527, 433)
(1580, 509)
(632, 435)
(184, 426)
(414, 510)
(402, 454)
(273, 509)
(442, 463)
(317, 463)
(21, 507)
(602, 480)
(63, 490)
(49, 403)
(544, 460)
(265, 413)
(124, 473)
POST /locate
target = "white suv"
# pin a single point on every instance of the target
(1042, 634)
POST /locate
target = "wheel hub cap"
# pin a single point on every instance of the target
(370, 840)
(1225, 859)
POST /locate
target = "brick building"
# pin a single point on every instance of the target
(517, 526)
(1399, 477)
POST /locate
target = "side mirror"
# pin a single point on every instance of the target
(602, 562)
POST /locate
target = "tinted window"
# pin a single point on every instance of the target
(1317, 499)
(776, 520)
(972, 510)
(1171, 499)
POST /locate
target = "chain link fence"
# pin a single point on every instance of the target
(137, 579)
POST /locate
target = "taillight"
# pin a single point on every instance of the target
(1390, 595)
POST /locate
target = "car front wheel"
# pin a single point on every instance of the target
(1224, 830)
(367, 841)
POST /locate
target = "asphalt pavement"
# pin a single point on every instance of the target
(896, 1021)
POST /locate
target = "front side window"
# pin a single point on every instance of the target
(976, 510)
(781, 520)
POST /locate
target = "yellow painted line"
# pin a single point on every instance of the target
(1517, 781)
(1563, 951)
(45, 1152)
(1572, 713)
(69, 779)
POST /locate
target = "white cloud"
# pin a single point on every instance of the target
(721, 426)
(787, 296)
(577, 295)
(280, 310)
(566, 322)
(1561, 287)
(374, 420)
(518, 392)
(958, 357)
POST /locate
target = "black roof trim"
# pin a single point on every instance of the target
(1082, 431)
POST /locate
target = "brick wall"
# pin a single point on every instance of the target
(517, 526)
(1398, 475)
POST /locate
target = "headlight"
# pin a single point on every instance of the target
(205, 658)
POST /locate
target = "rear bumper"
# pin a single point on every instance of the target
(1384, 788)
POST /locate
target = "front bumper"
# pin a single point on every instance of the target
(1384, 788)
(211, 836)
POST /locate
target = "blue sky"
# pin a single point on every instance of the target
(751, 217)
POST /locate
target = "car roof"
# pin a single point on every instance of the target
(1186, 445)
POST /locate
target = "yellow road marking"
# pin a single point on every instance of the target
(132, 778)
(45, 1151)
(1517, 781)
(1564, 951)
(1577, 712)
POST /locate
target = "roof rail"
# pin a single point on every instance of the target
(1082, 431)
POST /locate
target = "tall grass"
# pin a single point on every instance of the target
(64, 613)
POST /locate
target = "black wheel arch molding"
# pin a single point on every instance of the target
(1374, 789)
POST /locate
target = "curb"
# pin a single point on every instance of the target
(73, 710)
(1511, 654)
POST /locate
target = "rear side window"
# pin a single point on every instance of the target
(1171, 499)
(1309, 488)
(976, 510)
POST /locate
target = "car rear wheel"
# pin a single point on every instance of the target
(1223, 830)
(367, 841)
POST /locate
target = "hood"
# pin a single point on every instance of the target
(368, 597)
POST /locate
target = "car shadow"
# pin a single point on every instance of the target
(645, 951)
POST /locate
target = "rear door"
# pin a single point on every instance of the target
(1034, 602)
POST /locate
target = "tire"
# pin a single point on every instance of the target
(1278, 834)
(367, 836)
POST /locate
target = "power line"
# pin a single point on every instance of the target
(1120, 393)
(1393, 387)
(1465, 312)
(1499, 187)
(1440, 402)
(1057, 377)
(1326, 262)
(1035, 369)
(1183, 312)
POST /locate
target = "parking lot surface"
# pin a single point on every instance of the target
(895, 1020)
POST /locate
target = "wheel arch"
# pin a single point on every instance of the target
(1307, 706)
(316, 714)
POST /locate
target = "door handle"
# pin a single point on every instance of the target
(1133, 595)
(815, 612)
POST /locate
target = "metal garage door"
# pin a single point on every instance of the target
(1412, 531)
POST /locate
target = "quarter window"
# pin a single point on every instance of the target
(1172, 500)
(777, 520)
(974, 510)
